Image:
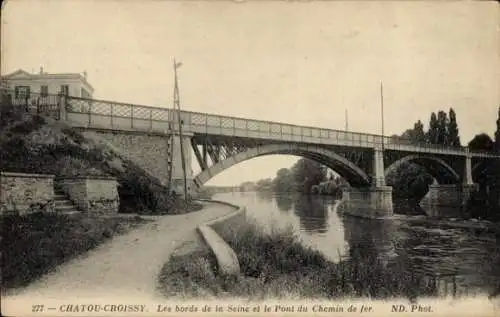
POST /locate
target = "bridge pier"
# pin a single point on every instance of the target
(452, 195)
(177, 172)
(370, 202)
(373, 202)
(449, 195)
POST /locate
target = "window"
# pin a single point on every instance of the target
(65, 90)
(44, 90)
(22, 91)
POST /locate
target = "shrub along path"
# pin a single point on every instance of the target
(127, 266)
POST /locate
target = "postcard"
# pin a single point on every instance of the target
(250, 158)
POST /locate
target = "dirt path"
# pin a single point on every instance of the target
(128, 265)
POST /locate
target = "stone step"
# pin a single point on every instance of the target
(67, 212)
(65, 208)
(63, 203)
(60, 198)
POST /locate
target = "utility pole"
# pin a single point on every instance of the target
(382, 112)
(177, 104)
(346, 121)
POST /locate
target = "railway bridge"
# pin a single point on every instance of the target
(150, 136)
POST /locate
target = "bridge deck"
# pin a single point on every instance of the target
(109, 115)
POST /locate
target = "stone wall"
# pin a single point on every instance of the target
(372, 203)
(232, 220)
(147, 151)
(150, 152)
(227, 261)
(26, 193)
(93, 194)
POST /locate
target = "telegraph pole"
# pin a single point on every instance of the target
(382, 112)
(346, 121)
(177, 104)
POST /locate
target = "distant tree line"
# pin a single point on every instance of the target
(443, 130)
(411, 181)
(487, 199)
(299, 178)
(305, 176)
(483, 142)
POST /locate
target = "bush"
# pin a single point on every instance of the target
(190, 275)
(409, 181)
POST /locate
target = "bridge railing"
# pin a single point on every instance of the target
(293, 132)
(132, 116)
(117, 115)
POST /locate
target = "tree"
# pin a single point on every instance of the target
(432, 133)
(406, 137)
(418, 132)
(307, 173)
(409, 181)
(442, 129)
(412, 136)
(454, 138)
(497, 132)
(481, 142)
(264, 184)
(283, 182)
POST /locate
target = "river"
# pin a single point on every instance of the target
(461, 262)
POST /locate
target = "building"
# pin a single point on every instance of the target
(24, 84)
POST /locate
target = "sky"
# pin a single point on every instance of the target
(294, 62)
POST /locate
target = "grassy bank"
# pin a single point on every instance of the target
(34, 245)
(30, 143)
(276, 265)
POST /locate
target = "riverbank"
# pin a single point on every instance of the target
(275, 264)
(34, 245)
(126, 266)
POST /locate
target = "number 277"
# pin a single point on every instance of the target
(37, 308)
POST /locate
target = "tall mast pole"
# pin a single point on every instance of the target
(382, 112)
(177, 103)
(346, 121)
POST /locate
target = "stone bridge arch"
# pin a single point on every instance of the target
(438, 168)
(350, 171)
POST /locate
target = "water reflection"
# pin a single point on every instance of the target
(284, 202)
(370, 239)
(374, 260)
(312, 212)
(265, 196)
(409, 209)
(444, 212)
(426, 258)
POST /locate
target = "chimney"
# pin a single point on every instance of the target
(85, 74)
(41, 70)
